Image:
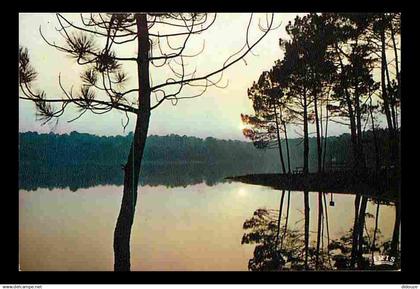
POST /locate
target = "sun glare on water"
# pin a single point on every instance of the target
(241, 192)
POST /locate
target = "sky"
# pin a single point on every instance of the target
(216, 113)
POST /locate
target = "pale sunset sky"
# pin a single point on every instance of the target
(216, 113)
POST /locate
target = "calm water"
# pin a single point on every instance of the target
(197, 227)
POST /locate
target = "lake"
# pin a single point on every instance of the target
(197, 226)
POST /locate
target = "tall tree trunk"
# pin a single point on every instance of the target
(397, 71)
(392, 104)
(360, 157)
(385, 96)
(305, 173)
(319, 151)
(394, 44)
(325, 139)
(287, 147)
(343, 83)
(305, 136)
(287, 143)
(279, 141)
(375, 139)
(356, 164)
(390, 96)
(318, 135)
(122, 231)
(383, 85)
(353, 130)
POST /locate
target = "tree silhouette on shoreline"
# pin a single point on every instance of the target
(328, 65)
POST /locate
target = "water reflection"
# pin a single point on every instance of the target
(193, 228)
(168, 175)
(361, 247)
(175, 228)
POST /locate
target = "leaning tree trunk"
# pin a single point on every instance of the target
(279, 140)
(375, 140)
(287, 148)
(392, 103)
(319, 154)
(318, 135)
(287, 143)
(391, 97)
(383, 86)
(343, 83)
(305, 137)
(122, 231)
(325, 139)
(360, 157)
(386, 99)
(305, 175)
(397, 71)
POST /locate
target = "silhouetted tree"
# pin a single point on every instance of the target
(362, 46)
(386, 26)
(305, 72)
(268, 122)
(313, 43)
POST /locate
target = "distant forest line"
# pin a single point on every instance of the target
(78, 160)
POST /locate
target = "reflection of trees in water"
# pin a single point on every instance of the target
(263, 229)
(268, 253)
(340, 251)
(169, 174)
